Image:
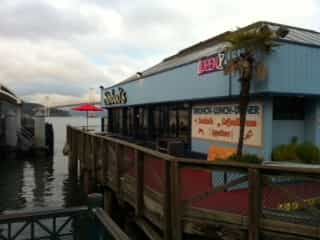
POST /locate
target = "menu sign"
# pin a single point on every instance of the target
(221, 122)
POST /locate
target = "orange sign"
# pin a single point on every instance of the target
(216, 152)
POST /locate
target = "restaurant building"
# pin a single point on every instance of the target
(188, 98)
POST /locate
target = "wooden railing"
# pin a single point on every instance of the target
(215, 199)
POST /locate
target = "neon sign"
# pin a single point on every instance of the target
(211, 64)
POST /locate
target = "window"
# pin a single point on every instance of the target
(130, 121)
(115, 123)
(184, 125)
(143, 122)
(156, 122)
(173, 122)
(152, 122)
(288, 108)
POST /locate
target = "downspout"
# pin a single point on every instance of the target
(230, 77)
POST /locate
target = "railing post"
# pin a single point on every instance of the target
(255, 194)
(108, 201)
(167, 207)
(73, 153)
(119, 156)
(176, 201)
(139, 162)
(99, 165)
(68, 134)
(82, 155)
(70, 145)
(105, 163)
(93, 162)
(86, 183)
(76, 156)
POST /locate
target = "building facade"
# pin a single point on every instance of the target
(10, 117)
(187, 96)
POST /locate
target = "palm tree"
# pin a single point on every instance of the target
(247, 47)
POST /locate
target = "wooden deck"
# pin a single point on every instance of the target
(174, 197)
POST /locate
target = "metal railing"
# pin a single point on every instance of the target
(60, 224)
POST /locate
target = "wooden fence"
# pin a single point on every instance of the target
(222, 200)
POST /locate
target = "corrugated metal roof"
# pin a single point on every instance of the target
(216, 44)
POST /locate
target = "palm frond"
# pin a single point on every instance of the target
(261, 71)
(258, 38)
(232, 66)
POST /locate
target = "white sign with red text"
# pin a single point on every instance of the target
(221, 122)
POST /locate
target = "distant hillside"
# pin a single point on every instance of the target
(59, 113)
(32, 108)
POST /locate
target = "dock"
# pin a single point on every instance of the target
(252, 202)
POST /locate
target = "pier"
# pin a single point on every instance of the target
(225, 200)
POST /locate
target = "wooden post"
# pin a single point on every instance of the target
(105, 163)
(254, 182)
(88, 180)
(82, 153)
(139, 161)
(108, 201)
(99, 166)
(75, 155)
(93, 162)
(70, 144)
(72, 165)
(175, 201)
(86, 187)
(68, 134)
(119, 156)
(167, 227)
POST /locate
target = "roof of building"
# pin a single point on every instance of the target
(7, 95)
(217, 44)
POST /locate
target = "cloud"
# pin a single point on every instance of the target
(63, 48)
(60, 99)
(43, 19)
(30, 67)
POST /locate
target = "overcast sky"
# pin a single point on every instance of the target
(62, 48)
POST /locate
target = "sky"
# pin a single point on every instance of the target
(61, 51)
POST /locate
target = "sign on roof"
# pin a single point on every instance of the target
(113, 97)
(211, 64)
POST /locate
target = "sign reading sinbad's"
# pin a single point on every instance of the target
(113, 97)
(221, 122)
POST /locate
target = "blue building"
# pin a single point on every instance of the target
(187, 96)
